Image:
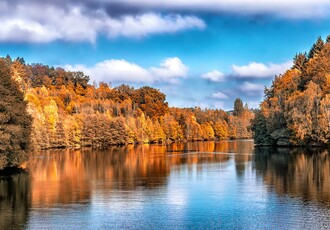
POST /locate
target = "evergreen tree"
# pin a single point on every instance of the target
(299, 61)
(15, 123)
(238, 107)
(259, 127)
(316, 48)
(327, 39)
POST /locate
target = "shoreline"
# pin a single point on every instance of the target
(166, 142)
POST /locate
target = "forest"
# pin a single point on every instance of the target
(296, 107)
(43, 107)
(65, 111)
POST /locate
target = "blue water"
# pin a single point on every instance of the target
(222, 185)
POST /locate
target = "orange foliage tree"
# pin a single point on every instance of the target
(69, 112)
(296, 108)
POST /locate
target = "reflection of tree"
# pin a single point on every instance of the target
(14, 201)
(241, 146)
(243, 150)
(67, 177)
(211, 152)
(297, 172)
(135, 166)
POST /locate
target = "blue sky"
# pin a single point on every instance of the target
(199, 53)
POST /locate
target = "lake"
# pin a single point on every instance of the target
(200, 185)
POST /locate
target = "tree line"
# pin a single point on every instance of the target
(296, 108)
(64, 110)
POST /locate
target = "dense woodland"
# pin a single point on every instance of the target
(67, 111)
(15, 122)
(296, 108)
(43, 107)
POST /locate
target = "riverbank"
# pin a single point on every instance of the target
(165, 142)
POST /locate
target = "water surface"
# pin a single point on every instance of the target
(227, 185)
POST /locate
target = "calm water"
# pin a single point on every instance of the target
(227, 185)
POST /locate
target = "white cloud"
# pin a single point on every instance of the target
(41, 23)
(252, 70)
(214, 76)
(146, 24)
(36, 23)
(219, 95)
(288, 9)
(171, 69)
(260, 70)
(252, 88)
(114, 70)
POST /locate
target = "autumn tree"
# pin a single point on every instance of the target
(118, 133)
(157, 132)
(295, 110)
(69, 112)
(221, 130)
(207, 131)
(15, 123)
(172, 128)
(151, 101)
(122, 93)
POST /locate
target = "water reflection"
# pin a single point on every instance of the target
(14, 201)
(210, 152)
(303, 173)
(70, 176)
(201, 184)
